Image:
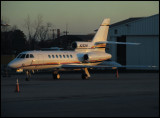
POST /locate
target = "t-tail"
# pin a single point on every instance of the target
(100, 36)
(102, 32)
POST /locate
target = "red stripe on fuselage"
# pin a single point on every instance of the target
(78, 62)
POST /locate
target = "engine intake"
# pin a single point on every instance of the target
(85, 57)
(74, 45)
(92, 56)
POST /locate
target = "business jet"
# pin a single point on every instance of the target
(85, 55)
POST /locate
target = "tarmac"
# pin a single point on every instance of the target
(103, 95)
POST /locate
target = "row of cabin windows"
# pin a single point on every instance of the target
(64, 56)
(25, 56)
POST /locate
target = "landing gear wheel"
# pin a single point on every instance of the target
(28, 75)
(84, 76)
(56, 76)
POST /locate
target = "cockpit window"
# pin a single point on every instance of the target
(27, 55)
(23, 56)
(31, 56)
(19, 56)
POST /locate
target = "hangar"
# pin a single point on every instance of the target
(144, 30)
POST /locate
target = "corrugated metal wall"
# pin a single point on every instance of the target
(145, 54)
(144, 31)
(145, 26)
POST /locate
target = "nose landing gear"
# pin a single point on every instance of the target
(28, 73)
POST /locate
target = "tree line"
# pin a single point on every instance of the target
(14, 41)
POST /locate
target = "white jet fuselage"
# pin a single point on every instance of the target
(55, 59)
(86, 54)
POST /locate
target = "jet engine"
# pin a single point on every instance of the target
(81, 45)
(96, 56)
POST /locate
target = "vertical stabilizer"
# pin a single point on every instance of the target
(102, 32)
(100, 36)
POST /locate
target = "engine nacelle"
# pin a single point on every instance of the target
(81, 45)
(96, 56)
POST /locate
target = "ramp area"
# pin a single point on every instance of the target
(132, 95)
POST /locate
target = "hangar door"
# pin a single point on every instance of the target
(121, 51)
(147, 53)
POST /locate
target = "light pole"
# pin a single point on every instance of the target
(66, 32)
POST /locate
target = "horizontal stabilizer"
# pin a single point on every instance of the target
(112, 42)
(112, 65)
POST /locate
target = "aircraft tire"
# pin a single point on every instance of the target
(56, 76)
(84, 76)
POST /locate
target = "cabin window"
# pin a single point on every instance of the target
(27, 55)
(57, 56)
(52, 56)
(49, 56)
(71, 56)
(31, 56)
(64, 56)
(60, 56)
(67, 56)
(23, 56)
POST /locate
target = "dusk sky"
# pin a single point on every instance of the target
(83, 17)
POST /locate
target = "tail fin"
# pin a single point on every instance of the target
(100, 36)
(102, 32)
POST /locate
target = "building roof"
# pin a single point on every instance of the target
(123, 22)
(126, 21)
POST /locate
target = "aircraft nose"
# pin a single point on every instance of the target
(11, 65)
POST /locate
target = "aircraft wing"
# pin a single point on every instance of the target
(113, 42)
(109, 64)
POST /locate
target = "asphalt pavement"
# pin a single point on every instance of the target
(103, 95)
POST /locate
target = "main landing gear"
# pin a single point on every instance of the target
(56, 75)
(85, 74)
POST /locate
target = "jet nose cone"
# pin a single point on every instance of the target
(11, 65)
